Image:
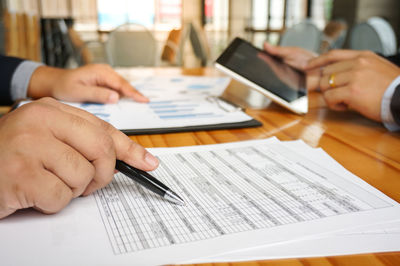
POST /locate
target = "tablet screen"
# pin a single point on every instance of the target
(264, 70)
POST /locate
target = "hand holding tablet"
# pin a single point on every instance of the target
(266, 74)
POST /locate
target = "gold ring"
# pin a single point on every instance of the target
(331, 81)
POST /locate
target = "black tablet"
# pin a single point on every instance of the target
(266, 74)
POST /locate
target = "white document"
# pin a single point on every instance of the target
(370, 239)
(239, 195)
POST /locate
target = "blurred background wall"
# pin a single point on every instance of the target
(191, 33)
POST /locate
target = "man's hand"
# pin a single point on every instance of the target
(51, 153)
(298, 58)
(358, 80)
(91, 83)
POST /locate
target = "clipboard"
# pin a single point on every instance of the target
(220, 126)
(177, 104)
(222, 104)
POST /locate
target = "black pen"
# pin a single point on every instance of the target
(148, 181)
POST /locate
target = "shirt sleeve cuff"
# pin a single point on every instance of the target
(21, 77)
(386, 114)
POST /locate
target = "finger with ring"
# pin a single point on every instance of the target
(331, 81)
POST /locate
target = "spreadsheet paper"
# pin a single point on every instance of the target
(239, 195)
(383, 237)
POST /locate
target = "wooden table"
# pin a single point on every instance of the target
(362, 146)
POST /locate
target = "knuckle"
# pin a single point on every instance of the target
(60, 198)
(38, 108)
(47, 100)
(110, 129)
(85, 177)
(83, 181)
(78, 122)
(103, 180)
(362, 61)
(101, 68)
(71, 158)
(106, 145)
(367, 53)
(85, 172)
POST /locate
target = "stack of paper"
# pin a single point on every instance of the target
(246, 200)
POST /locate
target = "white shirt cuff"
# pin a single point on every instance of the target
(20, 79)
(386, 114)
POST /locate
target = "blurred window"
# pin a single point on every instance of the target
(216, 20)
(155, 15)
(271, 17)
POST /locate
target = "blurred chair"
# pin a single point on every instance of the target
(199, 43)
(305, 35)
(82, 52)
(334, 35)
(173, 51)
(131, 45)
(70, 57)
(79, 52)
(376, 34)
(171, 48)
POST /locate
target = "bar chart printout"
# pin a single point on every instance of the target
(229, 189)
(175, 103)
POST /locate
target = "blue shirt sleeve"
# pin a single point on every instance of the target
(20, 79)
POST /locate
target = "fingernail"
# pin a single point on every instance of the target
(151, 160)
(113, 97)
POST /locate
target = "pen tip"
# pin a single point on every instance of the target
(173, 197)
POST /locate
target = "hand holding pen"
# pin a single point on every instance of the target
(148, 181)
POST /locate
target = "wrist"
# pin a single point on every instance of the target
(43, 82)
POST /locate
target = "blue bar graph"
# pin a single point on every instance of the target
(178, 109)
(172, 111)
(187, 116)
